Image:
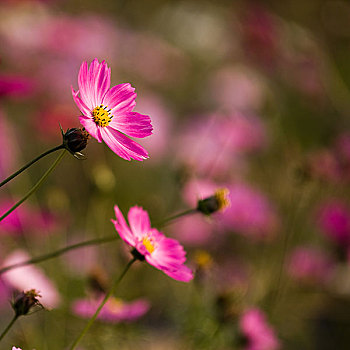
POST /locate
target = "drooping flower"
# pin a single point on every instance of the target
(29, 277)
(165, 254)
(25, 302)
(114, 311)
(258, 333)
(107, 112)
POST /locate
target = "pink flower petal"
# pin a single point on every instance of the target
(91, 127)
(120, 98)
(139, 221)
(122, 227)
(81, 105)
(132, 124)
(93, 82)
(122, 145)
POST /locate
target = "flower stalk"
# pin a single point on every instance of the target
(58, 252)
(107, 296)
(35, 187)
(14, 319)
(31, 163)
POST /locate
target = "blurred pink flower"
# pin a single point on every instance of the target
(54, 114)
(258, 333)
(261, 35)
(163, 253)
(81, 37)
(157, 144)
(237, 88)
(107, 112)
(14, 348)
(310, 265)
(26, 220)
(152, 58)
(30, 277)
(114, 311)
(324, 165)
(220, 142)
(333, 219)
(16, 86)
(251, 213)
(194, 230)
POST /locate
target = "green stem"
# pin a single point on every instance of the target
(30, 163)
(59, 252)
(8, 326)
(107, 296)
(35, 187)
(176, 216)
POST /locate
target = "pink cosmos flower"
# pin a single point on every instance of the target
(107, 112)
(14, 348)
(30, 277)
(114, 311)
(163, 253)
(259, 334)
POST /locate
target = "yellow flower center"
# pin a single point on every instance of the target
(115, 304)
(101, 115)
(221, 196)
(148, 243)
(203, 259)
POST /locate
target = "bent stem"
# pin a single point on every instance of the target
(107, 296)
(30, 163)
(35, 187)
(9, 326)
(176, 216)
(58, 252)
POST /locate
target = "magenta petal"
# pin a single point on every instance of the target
(182, 273)
(81, 105)
(139, 221)
(122, 227)
(122, 145)
(93, 82)
(132, 124)
(91, 127)
(120, 98)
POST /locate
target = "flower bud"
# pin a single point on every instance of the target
(217, 202)
(75, 140)
(25, 301)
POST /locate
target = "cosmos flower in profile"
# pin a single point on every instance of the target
(165, 254)
(108, 112)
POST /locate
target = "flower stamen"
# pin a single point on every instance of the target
(101, 115)
(148, 243)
